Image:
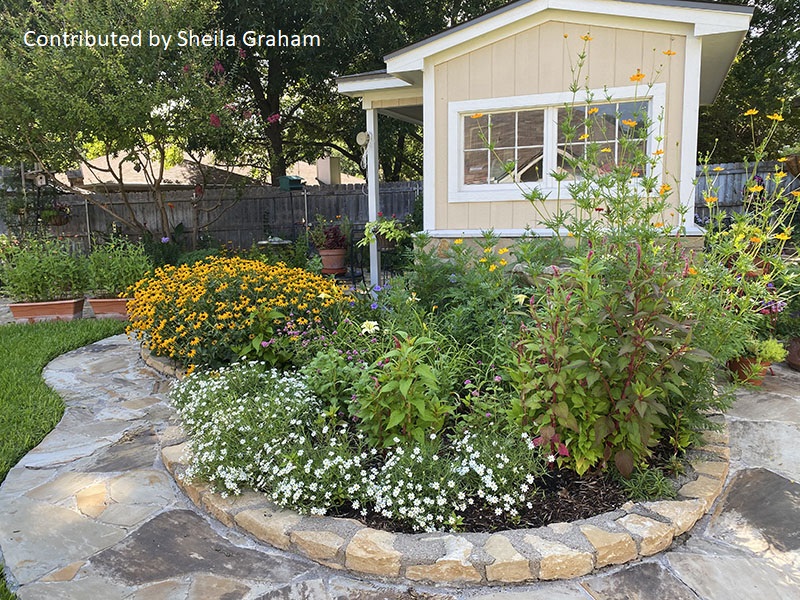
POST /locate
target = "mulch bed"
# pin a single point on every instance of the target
(563, 496)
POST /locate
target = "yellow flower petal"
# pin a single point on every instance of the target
(750, 112)
(775, 117)
(638, 76)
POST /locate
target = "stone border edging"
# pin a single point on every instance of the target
(557, 551)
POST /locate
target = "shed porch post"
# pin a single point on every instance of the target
(373, 191)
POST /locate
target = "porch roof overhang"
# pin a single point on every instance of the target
(721, 28)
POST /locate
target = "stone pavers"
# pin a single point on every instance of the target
(93, 511)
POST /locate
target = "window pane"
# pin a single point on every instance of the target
(475, 130)
(630, 112)
(476, 166)
(503, 130)
(574, 129)
(604, 123)
(530, 128)
(529, 164)
(567, 154)
(503, 166)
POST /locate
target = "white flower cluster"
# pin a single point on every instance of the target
(260, 428)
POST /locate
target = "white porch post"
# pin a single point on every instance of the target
(373, 191)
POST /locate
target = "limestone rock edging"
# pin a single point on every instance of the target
(559, 551)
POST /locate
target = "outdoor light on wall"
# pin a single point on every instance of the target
(362, 139)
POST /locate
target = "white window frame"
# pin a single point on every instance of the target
(458, 191)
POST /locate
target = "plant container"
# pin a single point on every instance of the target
(333, 261)
(746, 369)
(110, 308)
(55, 310)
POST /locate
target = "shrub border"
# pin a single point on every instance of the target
(557, 551)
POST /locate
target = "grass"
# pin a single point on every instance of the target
(28, 408)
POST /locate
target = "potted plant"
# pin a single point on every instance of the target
(330, 239)
(113, 268)
(386, 231)
(45, 277)
(57, 214)
(760, 354)
(792, 162)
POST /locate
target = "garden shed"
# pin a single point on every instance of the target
(514, 67)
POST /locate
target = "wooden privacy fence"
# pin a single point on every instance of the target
(256, 213)
(244, 216)
(729, 183)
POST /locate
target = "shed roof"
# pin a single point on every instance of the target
(721, 27)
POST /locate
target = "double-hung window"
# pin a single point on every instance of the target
(499, 146)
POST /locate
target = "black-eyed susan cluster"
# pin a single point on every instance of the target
(200, 314)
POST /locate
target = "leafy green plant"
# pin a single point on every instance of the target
(115, 266)
(767, 351)
(600, 358)
(401, 396)
(390, 228)
(42, 269)
(648, 484)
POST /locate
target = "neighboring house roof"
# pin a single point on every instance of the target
(309, 173)
(97, 176)
(721, 27)
(185, 175)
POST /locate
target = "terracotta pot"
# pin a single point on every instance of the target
(56, 310)
(110, 308)
(333, 261)
(747, 369)
(793, 358)
(793, 164)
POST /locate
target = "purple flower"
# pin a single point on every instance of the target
(165, 240)
(377, 288)
(218, 68)
(498, 379)
(488, 415)
(374, 305)
(467, 382)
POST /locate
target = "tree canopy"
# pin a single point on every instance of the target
(765, 76)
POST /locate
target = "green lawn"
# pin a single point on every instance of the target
(28, 408)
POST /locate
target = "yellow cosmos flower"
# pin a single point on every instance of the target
(755, 188)
(783, 236)
(718, 169)
(458, 241)
(775, 117)
(583, 136)
(476, 116)
(629, 122)
(503, 262)
(669, 52)
(635, 173)
(782, 159)
(638, 76)
(692, 271)
(492, 268)
(570, 234)
(658, 224)
(593, 111)
(711, 199)
(755, 239)
(606, 150)
(502, 251)
(795, 193)
(587, 38)
(750, 112)
(658, 152)
(664, 189)
(488, 250)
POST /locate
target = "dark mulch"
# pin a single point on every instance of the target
(563, 496)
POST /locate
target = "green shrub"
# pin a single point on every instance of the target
(42, 269)
(115, 266)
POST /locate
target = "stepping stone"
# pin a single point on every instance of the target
(134, 450)
(179, 543)
(759, 510)
(646, 581)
